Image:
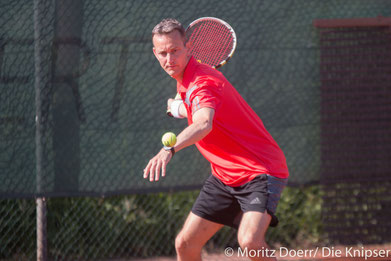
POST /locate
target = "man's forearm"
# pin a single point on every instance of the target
(192, 134)
(201, 126)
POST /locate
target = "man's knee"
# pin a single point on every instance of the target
(180, 243)
(184, 245)
(250, 242)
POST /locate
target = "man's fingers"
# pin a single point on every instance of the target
(146, 170)
(157, 171)
(164, 169)
(151, 171)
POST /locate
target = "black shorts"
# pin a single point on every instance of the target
(225, 205)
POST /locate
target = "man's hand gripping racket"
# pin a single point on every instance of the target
(212, 41)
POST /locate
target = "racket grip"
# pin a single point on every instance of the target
(177, 97)
(169, 113)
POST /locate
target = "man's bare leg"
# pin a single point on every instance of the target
(195, 233)
(251, 234)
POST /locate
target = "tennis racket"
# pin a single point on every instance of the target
(211, 41)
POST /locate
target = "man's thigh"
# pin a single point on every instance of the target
(254, 224)
(197, 231)
(251, 234)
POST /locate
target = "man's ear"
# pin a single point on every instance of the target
(154, 52)
(188, 46)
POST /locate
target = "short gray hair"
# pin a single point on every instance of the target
(167, 26)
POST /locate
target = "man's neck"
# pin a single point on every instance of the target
(179, 78)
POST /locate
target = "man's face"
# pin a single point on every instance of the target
(171, 53)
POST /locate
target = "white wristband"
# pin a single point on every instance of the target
(175, 109)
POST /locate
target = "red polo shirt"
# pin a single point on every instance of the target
(239, 148)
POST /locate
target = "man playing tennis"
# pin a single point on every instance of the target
(249, 169)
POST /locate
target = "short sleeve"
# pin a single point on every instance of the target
(204, 95)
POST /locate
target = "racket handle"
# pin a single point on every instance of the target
(177, 97)
(169, 113)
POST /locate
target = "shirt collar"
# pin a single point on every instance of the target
(187, 75)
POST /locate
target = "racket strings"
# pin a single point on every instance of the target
(216, 50)
(211, 42)
(206, 51)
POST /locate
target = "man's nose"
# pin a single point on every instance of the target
(170, 58)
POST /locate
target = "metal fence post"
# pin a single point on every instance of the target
(40, 201)
(41, 229)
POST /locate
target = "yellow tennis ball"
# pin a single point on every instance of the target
(169, 139)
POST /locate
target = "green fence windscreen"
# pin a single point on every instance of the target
(83, 98)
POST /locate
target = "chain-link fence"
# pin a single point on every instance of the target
(82, 109)
(139, 226)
